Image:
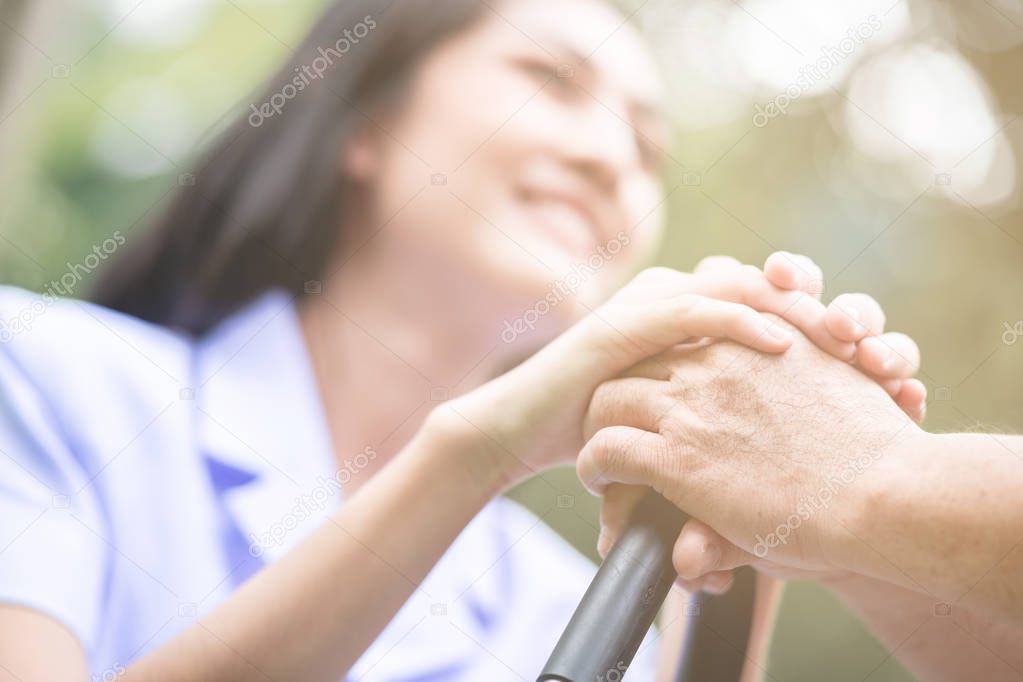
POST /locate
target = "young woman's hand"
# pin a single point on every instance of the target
(531, 417)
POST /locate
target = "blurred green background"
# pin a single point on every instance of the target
(897, 172)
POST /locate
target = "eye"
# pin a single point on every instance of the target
(539, 69)
(650, 152)
(545, 73)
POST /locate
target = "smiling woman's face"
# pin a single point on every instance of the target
(525, 160)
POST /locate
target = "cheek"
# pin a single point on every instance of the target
(644, 211)
(457, 115)
(457, 141)
(644, 200)
(648, 207)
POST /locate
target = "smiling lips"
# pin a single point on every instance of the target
(565, 219)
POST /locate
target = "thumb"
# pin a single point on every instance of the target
(619, 503)
(700, 550)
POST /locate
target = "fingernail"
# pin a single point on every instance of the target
(889, 360)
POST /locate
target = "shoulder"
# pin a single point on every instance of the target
(70, 339)
(84, 368)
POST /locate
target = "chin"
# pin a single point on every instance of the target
(532, 305)
(540, 320)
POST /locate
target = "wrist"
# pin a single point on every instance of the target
(868, 518)
(459, 443)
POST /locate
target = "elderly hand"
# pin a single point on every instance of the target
(890, 358)
(702, 556)
(775, 453)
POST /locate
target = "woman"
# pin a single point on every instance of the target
(257, 463)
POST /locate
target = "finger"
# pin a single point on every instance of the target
(891, 355)
(718, 583)
(713, 583)
(795, 272)
(628, 401)
(619, 454)
(717, 264)
(806, 314)
(700, 550)
(691, 315)
(910, 404)
(750, 286)
(660, 367)
(619, 503)
(912, 398)
(851, 317)
(622, 333)
(803, 311)
(890, 386)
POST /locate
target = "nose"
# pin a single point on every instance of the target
(602, 147)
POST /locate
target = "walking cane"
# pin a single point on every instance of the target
(622, 600)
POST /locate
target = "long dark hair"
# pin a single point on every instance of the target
(264, 206)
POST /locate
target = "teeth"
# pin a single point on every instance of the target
(566, 221)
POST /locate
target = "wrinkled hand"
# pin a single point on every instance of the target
(891, 358)
(702, 556)
(768, 451)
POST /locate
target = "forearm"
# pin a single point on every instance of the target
(941, 515)
(312, 614)
(935, 641)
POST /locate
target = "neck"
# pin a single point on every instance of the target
(385, 349)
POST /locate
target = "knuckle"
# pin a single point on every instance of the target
(656, 273)
(600, 401)
(866, 302)
(735, 325)
(724, 354)
(907, 347)
(689, 304)
(752, 283)
(682, 562)
(717, 262)
(603, 447)
(743, 318)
